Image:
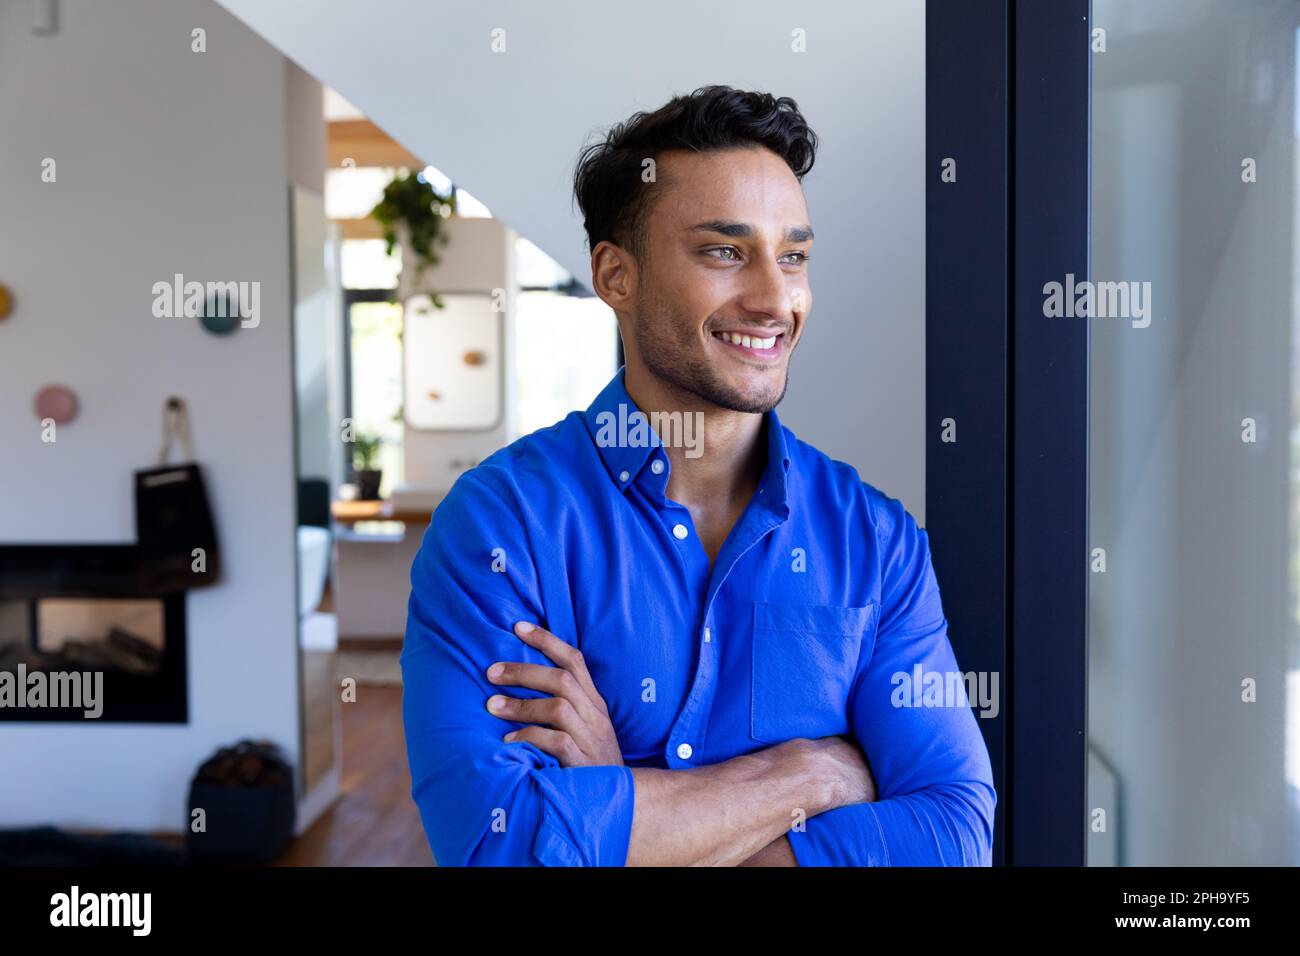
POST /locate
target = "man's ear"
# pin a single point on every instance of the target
(613, 276)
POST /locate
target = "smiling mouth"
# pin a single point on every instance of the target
(755, 346)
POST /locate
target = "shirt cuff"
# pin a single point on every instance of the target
(586, 816)
(845, 836)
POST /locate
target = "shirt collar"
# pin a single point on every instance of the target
(610, 421)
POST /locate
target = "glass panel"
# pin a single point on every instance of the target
(1194, 698)
(376, 351)
(350, 193)
(535, 269)
(566, 351)
(467, 207)
(367, 264)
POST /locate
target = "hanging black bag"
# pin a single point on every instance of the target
(175, 533)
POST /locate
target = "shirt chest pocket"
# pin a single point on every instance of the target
(805, 657)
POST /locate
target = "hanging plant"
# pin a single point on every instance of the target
(411, 200)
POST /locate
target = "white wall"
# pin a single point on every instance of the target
(167, 161)
(509, 126)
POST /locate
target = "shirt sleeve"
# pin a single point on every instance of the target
(483, 801)
(935, 795)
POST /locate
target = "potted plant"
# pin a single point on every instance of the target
(413, 212)
(365, 462)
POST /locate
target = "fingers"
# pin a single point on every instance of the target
(571, 716)
(543, 677)
(554, 742)
(557, 682)
(565, 656)
(554, 711)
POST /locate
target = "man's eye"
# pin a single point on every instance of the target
(801, 258)
(732, 253)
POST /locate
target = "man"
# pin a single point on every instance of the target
(636, 652)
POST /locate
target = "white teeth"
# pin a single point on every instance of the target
(747, 341)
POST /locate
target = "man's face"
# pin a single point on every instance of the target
(722, 289)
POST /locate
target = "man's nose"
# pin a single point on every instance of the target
(766, 291)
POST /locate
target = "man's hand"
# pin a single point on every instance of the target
(577, 730)
(850, 769)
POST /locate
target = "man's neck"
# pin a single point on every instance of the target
(727, 461)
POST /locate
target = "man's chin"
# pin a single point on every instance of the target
(751, 397)
(751, 391)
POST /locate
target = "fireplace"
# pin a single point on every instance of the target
(84, 638)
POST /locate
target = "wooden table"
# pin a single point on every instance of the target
(350, 512)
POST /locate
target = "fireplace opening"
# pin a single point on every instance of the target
(80, 652)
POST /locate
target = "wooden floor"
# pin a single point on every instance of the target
(374, 822)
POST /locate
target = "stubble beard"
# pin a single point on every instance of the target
(679, 365)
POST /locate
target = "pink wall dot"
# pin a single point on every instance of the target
(57, 402)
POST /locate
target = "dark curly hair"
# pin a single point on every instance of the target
(607, 182)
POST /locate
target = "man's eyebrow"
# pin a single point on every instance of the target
(743, 230)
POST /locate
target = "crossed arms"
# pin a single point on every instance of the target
(719, 815)
(558, 793)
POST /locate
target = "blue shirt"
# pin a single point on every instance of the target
(820, 602)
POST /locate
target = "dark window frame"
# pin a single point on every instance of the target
(1008, 97)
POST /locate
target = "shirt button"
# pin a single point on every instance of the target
(680, 532)
(684, 751)
(623, 476)
(657, 466)
(706, 635)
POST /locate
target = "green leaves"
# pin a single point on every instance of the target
(365, 452)
(414, 202)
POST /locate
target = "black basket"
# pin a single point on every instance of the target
(247, 795)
